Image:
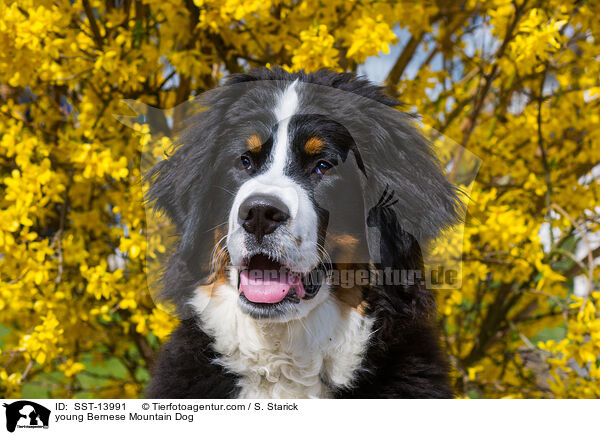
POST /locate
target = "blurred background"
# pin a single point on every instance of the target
(515, 82)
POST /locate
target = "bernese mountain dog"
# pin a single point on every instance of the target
(297, 197)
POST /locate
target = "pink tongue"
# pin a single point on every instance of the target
(269, 288)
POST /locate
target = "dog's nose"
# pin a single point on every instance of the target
(261, 215)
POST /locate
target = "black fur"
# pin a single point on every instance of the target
(404, 358)
(185, 369)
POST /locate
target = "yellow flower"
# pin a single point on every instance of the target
(316, 50)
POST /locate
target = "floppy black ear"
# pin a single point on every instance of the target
(181, 185)
(162, 192)
(408, 199)
(193, 186)
(408, 203)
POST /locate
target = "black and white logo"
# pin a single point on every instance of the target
(25, 414)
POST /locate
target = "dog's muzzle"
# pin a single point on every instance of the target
(262, 215)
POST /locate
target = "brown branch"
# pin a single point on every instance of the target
(590, 252)
(27, 369)
(61, 228)
(143, 347)
(460, 105)
(93, 24)
(402, 62)
(488, 79)
(491, 328)
(544, 157)
(223, 51)
(413, 43)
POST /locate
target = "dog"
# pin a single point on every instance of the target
(284, 181)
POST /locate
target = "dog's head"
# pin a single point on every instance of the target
(285, 177)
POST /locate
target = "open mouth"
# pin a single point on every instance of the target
(268, 285)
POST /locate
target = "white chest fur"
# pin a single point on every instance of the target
(296, 359)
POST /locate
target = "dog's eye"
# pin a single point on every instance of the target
(246, 162)
(322, 167)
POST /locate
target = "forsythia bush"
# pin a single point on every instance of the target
(514, 81)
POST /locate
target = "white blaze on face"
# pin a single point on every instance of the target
(302, 226)
(286, 108)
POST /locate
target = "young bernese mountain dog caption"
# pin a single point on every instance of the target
(302, 205)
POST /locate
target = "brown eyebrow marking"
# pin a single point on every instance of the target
(313, 146)
(254, 143)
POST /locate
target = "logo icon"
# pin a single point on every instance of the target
(26, 414)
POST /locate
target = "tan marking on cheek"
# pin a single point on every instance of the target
(299, 241)
(313, 146)
(218, 267)
(209, 289)
(216, 279)
(254, 143)
(218, 264)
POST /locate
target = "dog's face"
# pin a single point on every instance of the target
(277, 224)
(274, 194)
